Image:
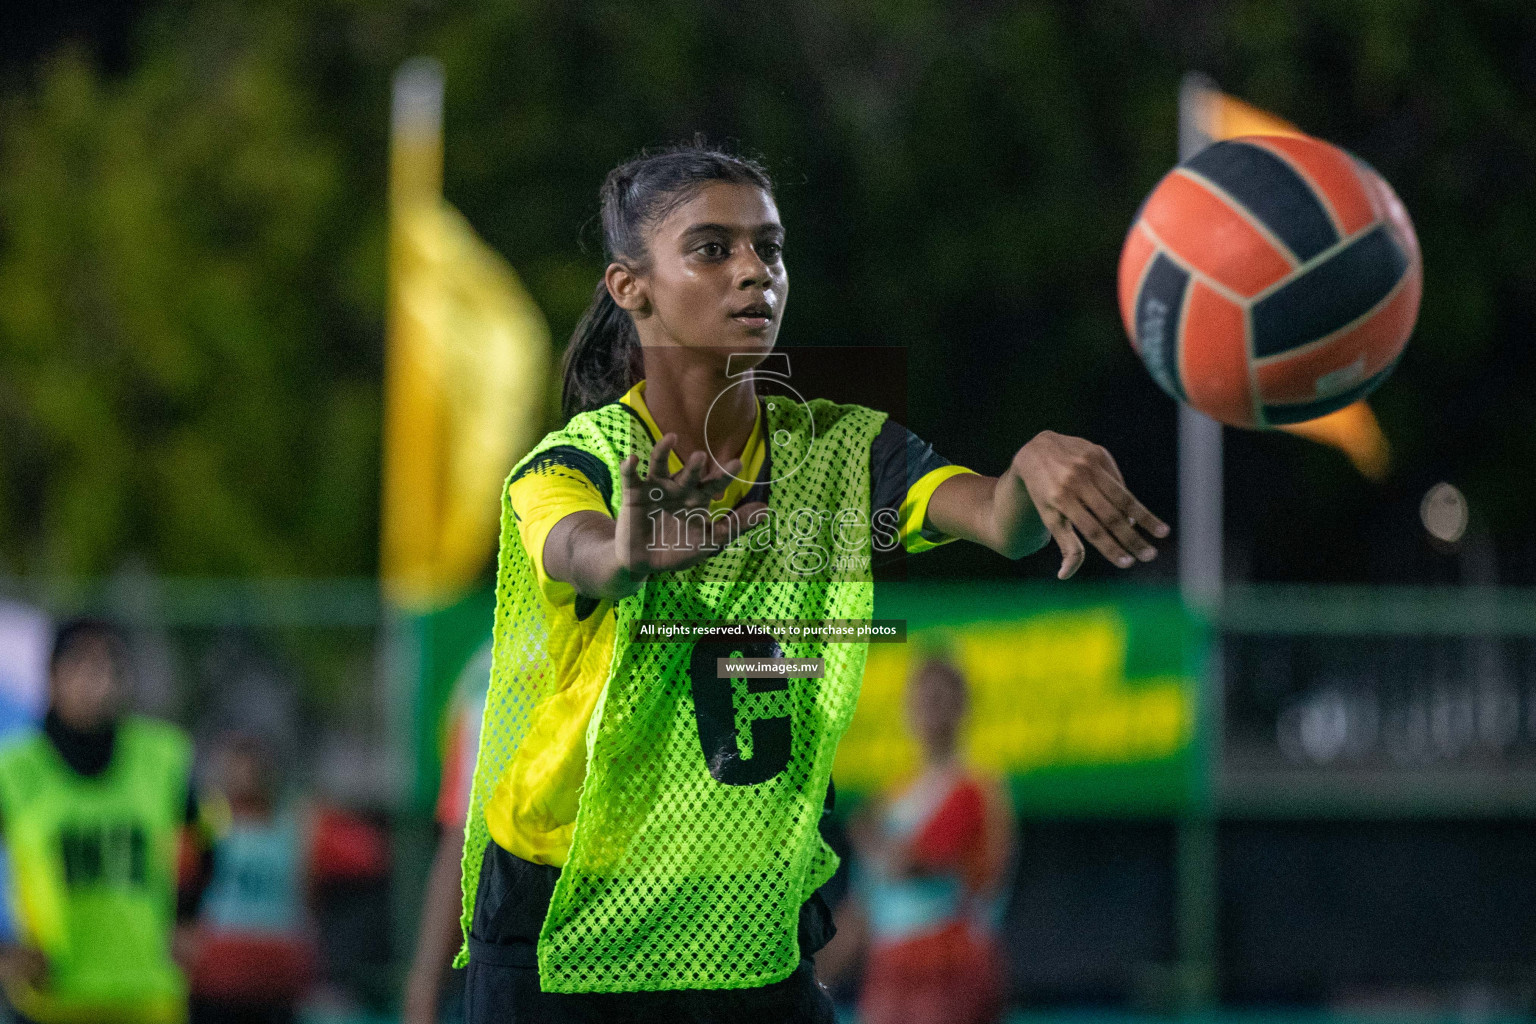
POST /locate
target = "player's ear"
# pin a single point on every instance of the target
(628, 289)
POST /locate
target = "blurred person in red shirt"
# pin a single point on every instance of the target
(255, 953)
(254, 948)
(926, 890)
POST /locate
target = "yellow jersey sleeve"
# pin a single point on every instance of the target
(904, 471)
(531, 810)
(540, 499)
(916, 535)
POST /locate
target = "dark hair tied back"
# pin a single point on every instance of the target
(603, 359)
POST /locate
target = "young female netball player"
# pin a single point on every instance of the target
(642, 838)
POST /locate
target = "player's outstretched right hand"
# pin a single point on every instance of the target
(664, 522)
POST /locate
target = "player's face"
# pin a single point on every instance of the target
(716, 276)
(86, 685)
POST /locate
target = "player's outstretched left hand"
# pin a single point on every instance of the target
(1075, 483)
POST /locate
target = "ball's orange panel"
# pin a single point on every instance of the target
(1202, 230)
(1134, 258)
(1345, 359)
(1332, 175)
(1213, 356)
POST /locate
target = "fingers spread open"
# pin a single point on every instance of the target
(1101, 502)
(715, 486)
(628, 473)
(635, 482)
(1126, 502)
(1094, 532)
(659, 457)
(1108, 461)
(692, 471)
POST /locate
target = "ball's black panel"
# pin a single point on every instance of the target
(1159, 305)
(1328, 297)
(1272, 192)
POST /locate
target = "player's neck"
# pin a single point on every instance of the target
(679, 392)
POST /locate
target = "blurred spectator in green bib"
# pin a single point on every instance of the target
(95, 809)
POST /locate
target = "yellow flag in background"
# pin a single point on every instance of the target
(466, 367)
(1353, 429)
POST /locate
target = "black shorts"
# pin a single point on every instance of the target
(501, 984)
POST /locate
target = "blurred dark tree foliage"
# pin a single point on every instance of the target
(192, 244)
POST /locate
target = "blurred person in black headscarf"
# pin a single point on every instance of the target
(95, 808)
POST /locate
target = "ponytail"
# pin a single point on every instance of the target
(604, 358)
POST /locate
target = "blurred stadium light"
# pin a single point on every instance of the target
(1444, 513)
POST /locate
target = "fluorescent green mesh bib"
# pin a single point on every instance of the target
(94, 864)
(696, 839)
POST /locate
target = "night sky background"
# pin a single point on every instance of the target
(192, 245)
